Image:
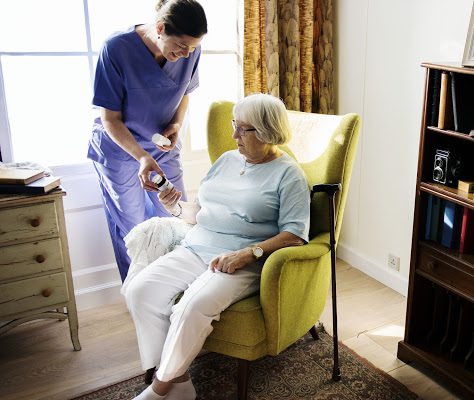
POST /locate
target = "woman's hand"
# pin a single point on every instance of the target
(171, 132)
(147, 166)
(169, 198)
(231, 262)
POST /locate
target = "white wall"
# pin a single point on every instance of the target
(379, 47)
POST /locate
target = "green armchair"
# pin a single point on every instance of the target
(294, 280)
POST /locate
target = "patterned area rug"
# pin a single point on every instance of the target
(303, 371)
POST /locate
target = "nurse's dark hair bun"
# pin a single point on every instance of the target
(182, 17)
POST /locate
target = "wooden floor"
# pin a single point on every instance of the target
(37, 360)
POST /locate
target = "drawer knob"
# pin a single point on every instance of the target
(430, 265)
(40, 258)
(35, 222)
(47, 292)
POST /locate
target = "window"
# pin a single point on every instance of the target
(47, 71)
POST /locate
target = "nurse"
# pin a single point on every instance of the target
(143, 78)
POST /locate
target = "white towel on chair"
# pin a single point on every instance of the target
(149, 240)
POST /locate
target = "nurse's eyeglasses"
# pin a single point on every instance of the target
(178, 44)
(241, 131)
(185, 47)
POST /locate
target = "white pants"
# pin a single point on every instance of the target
(171, 335)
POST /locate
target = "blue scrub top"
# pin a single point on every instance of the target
(128, 79)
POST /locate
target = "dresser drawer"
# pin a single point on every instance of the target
(32, 294)
(30, 222)
(446, 270)
(30, 258)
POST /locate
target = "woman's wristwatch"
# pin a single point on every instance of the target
(257, 252)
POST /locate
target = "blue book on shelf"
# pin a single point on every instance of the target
(429, 208)
(451, 224)
(437, 210)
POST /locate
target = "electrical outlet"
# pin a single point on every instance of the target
(393, 262)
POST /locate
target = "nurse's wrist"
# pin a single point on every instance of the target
(142, 155)
(177, 125)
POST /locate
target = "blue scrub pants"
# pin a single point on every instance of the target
(127, 204)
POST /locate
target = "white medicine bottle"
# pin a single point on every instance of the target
(162, 183)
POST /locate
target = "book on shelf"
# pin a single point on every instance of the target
(466, 242)
(445, 114)
(451, 225)
(434, 103)
(19, 176)
(40, 186)
(433, 214)
(429, 210)
(462, 89)
(436, 213)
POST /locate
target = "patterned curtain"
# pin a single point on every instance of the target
(288, 52)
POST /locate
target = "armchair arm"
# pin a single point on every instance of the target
(330, 188)
(293, 290)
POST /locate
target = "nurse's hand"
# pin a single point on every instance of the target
(169, 198)
(147, 166)
(171, 132)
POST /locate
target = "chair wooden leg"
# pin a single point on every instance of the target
(243, 375)
(314, 333)
(149, 375)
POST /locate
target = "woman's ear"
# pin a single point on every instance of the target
(160, 28)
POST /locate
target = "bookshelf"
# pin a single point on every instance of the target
(439, 330)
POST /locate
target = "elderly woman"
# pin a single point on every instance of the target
(254, 201)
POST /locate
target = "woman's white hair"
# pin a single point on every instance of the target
(267, 114)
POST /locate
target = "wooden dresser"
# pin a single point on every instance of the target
(35, 270)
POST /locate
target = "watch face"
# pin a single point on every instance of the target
(257, 252)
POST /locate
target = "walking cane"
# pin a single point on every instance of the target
(331, 189)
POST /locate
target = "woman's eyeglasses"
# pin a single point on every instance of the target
(239, 130)
(181, 46)
(184, 47)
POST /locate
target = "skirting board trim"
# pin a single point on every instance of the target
(384, 275)
(99, 295)
(93, 270)
(96, 286)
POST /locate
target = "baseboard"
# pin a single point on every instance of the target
(97, 286)
(380, 273)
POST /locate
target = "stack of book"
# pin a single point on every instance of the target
(451, 102)
(449, 224)
(26, 181)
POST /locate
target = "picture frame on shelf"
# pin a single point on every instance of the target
(468, 57)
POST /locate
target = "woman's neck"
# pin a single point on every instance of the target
(272, 153)
(149, 36)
